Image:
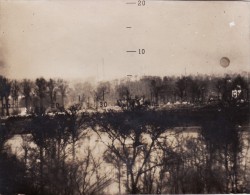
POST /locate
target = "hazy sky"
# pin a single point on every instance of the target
(89, 38)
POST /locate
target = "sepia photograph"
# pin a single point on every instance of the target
(117, 97)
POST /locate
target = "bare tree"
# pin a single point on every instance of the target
(123, 92)
(84, 93)
(133, 137)
(52, 90)
(26, 88)
(102, 90)
(63, 89)
(5, 90)
(77, 124)
(181, 86)
(87, 176)
(15, 89)
(41, 89)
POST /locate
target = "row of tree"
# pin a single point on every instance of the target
(169, 89)
(47, 161)
(192, 89)
(34, 96)
(148, 153)
(164, 161)
(41, 94)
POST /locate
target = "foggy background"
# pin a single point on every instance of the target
(89, 39)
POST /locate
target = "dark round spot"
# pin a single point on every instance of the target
(224, 62)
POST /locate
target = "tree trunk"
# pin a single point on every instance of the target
(2, 106)
(58, 148)
(41, 105)
(13, 103)
(119, 176)
(127, 183)
(134, 189)
(26, 103)
(41, 170)
(226, 168)
(17, 104)
(25, 156)
(7, 106)
(73, 149)
(63, 101)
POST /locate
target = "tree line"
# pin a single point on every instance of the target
(39, 95)
(147, 151)
(35, 96)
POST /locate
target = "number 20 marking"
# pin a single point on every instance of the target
(141, 2)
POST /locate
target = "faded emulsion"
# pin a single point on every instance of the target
(224, 62)
(124, 97)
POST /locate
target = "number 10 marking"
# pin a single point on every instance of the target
(141, 51)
